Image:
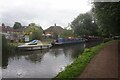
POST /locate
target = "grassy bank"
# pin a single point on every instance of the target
(79, 64)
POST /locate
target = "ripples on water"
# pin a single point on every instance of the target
(41, 63)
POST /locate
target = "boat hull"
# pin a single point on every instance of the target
(35, 47)
(67, 43)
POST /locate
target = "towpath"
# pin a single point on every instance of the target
(104, 64)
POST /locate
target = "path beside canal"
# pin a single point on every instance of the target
(104, 64)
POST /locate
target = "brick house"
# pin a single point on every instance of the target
(12, 34)
(49, 32)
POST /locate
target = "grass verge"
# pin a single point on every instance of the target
(79, 64)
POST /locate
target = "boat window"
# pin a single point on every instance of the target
(34, 41)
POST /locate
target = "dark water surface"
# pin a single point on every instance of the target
(41, 63)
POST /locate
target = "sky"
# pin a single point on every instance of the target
(44, 13)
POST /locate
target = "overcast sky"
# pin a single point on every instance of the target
(42, 12)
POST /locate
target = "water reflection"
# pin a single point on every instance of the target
(41, 63)
(35, 56)
(4, 61)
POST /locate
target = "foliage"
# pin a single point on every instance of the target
(4, 44)
(17, 25)
(107, 15)
(35, 32)
(7, 49)
(107, 39)
(55, 35)
(84, 25)
(67, 33)
(32, 24)
(79, 64)
(0, 43)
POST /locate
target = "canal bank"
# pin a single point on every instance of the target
(78, 66)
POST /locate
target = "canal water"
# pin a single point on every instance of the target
(41, 63)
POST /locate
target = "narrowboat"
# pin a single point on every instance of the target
(62, 41)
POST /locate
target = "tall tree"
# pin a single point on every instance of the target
(108, 17)
(17, 25)
(3, 24)
(84, 25)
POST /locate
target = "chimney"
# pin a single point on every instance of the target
(55, 24)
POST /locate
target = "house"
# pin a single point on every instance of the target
(7, 31)
(53, 30)
(12, 34)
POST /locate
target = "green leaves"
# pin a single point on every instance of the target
(67, 33)
(17, 25)
(107, 15)
(84, 25)
(35, 32)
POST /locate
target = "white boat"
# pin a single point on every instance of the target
(34, 45)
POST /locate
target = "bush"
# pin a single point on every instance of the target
(106, 40)
(4, 44)
(7, 47)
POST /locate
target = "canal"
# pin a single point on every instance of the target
(41, 63)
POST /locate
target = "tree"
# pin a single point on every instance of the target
(84, 25)
(35, 32)
(55, 35)
(32, 24)
(67, 33)
(5, 51)
(4, 44)
(3, 24)
(108, 17)
(17, 25)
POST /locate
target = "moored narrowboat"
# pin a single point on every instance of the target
(62, 41)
